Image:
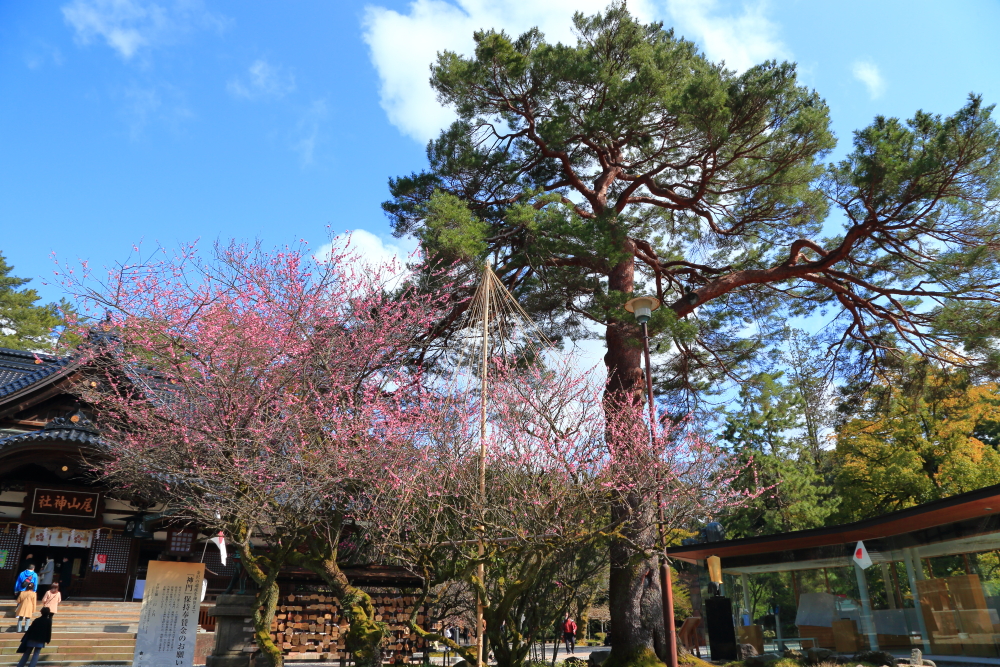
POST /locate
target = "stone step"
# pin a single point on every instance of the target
(68, 648)
(65, 609)
(109, 604)
(74, 643)
(82, 614)
(106, 630)
(81, 626)
(77, 638)
(82, 609)
(59, 658)
(62, 622)
(76, 606)
(62, 634)
(76, 663)
(60, 618)
(74, 653)
(75, 650)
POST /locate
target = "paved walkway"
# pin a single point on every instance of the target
(582, 652)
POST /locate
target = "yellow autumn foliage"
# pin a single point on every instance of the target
(919, 444)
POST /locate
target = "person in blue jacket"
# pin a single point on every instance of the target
(24, 578)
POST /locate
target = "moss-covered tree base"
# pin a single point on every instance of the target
(688, 660)
(642, 658)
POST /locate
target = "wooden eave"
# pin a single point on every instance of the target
(46, 388)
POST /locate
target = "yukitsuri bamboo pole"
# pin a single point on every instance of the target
(481, 569)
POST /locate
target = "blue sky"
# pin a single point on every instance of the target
(127, 121)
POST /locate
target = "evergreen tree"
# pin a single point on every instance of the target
(25, 324)
(770, 431)
(808, 375)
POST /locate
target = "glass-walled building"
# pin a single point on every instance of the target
(933, 583)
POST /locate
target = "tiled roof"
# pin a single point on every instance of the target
(20, 369)
(63, 434)
(75, 428)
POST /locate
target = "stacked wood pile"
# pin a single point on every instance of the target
(313, 623)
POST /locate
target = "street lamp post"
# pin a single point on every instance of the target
(642, 307)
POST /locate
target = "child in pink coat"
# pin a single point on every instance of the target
(52, 598)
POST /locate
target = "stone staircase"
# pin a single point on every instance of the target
(83, 633)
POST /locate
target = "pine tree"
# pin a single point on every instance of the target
(771, 432)
(25, 324)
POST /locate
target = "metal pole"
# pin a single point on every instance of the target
(777, 629)
(866, 608)
(666, 583)
(913, 576)
(649, 381)
(890, 593)
(745, 585)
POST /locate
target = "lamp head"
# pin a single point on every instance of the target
(642, 307)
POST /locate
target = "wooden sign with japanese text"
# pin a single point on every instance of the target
(168, 622)
(57, 502)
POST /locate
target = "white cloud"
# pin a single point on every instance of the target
(41, 54)
(162, 103)
(265, 80)
(127, 26)
(141, 103)
(403, 46)
(741, 41)
(867, 73)
(308, 132)
(369, 251)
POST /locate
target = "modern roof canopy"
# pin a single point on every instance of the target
(963, 523)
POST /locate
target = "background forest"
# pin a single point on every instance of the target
(834, 453)
(831, 453)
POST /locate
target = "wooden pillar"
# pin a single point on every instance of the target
(826, 578)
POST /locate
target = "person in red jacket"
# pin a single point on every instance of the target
(569, 634)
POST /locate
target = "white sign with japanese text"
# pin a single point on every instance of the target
(168, 623)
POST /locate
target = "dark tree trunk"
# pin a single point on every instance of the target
(634, 587)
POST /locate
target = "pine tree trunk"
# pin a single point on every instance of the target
(634, 587)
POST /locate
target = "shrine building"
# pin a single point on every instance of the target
(51, 508)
